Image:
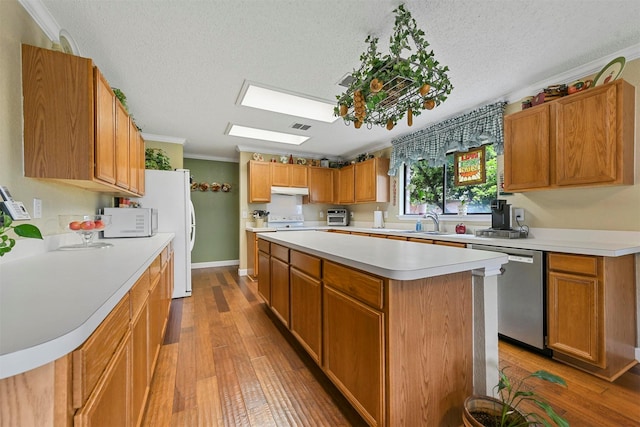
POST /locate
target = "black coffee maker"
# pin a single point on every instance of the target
(500, 215)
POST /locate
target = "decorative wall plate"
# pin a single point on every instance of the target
(610, 72)
(68, 43)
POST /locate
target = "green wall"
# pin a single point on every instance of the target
(217, 213)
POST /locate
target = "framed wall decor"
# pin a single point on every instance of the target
(470, 167)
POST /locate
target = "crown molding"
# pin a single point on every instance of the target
(211, 158)
(163, 138)
(630, 53)
(38, 11)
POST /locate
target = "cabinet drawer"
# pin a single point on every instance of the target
(139, 293)
(280, 252)
(92, 357)
(361, 286)
(164, 256)
(264, 246)
(307, 263)
(581, 264)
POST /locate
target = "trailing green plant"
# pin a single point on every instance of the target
(390, 86)
(121, 97)
(23, 230)
(512, 394)
(156, 158)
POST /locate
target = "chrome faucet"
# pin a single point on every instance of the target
(433, 217)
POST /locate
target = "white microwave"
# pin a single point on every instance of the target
(131, 222)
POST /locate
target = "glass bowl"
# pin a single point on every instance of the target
(86, 226)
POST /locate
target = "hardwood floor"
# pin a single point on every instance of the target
(225, 362)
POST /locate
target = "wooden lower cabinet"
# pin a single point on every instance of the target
(109, 404)
(306, 302)
(362, 331)
(264, 276)
(353, 352)
(591, 315)
(280, 289)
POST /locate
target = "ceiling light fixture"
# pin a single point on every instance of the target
(286, 103)
(266, 135)
(386, 87)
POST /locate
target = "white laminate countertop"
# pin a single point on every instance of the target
(584, 242)
(389, 258)
(52, 302)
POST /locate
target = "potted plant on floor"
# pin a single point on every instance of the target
(485, 411)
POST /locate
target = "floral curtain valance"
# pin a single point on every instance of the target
(473, 129)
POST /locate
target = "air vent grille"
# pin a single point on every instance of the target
(346, 80)
(300, 126)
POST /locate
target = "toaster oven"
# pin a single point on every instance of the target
(338, 217)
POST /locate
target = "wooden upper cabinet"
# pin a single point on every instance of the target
(321, 185)
(288, 175)
(585, 139)
(123, 152)
(590, 131)
(372, 180)
(70, 122)
(526, 156)
(346, 185)
(259, 174)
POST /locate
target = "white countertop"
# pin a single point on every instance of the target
(389, 258)
(585, 242)
(50, 303)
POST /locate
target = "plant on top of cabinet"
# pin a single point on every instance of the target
(157, 159)
(74, 131)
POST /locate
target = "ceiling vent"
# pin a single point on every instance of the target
(346, 80)
(300, 126)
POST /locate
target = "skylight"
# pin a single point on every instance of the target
(266, 135)
(287, 103)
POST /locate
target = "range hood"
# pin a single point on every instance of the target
(290, 191)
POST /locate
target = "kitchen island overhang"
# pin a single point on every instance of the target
(439, 316)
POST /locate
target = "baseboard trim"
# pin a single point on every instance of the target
(197, 265)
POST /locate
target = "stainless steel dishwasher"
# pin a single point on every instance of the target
(521, 296)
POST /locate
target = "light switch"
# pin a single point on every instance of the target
(37, 208)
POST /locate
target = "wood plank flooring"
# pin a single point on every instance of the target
(226, 362)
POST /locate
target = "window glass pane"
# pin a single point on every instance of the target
(433, 188)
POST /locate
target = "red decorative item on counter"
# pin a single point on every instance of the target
(461, 228)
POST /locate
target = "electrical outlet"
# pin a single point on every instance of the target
(386, 215)
(519, 214)
(244, 214)
(37, 208)
(321, 214)
(351, 214)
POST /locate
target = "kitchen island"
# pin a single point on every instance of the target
(405, 330)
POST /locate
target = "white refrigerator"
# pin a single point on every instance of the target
(170, 193)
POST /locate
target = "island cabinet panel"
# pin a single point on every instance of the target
(353, 352)
(264, 270)
(280, 282)
(591, 324)
(75, 130)
(259, 181)
(306, 302)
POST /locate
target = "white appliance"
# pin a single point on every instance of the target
(170, 193)
(128, 222)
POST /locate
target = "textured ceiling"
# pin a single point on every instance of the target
(182, 63)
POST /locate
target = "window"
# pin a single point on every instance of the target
(429, 188)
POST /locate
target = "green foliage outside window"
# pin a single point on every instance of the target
(429, 185)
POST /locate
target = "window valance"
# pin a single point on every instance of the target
(473, 129)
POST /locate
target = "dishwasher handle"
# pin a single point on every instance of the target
(521, 258)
